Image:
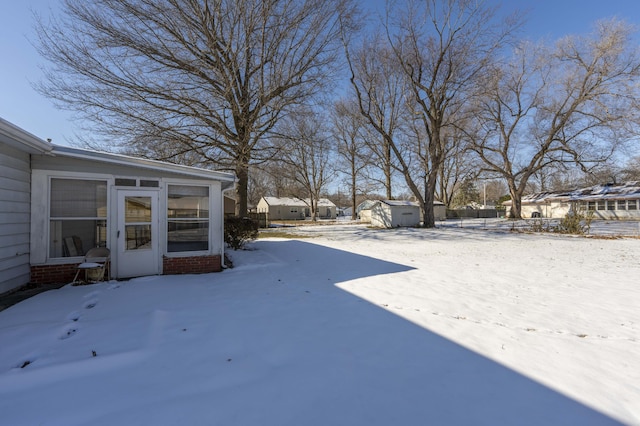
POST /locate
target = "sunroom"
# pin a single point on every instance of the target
(155, 217)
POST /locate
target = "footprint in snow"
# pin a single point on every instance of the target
(90, 304)
(74, 316)
(68, 332)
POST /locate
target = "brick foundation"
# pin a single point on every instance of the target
(191, 265)
(53, 274)
(61, 274)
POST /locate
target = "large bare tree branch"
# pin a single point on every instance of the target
(208, 77)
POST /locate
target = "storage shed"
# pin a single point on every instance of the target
(365, 211)
(395, 213)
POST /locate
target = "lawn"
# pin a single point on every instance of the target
(356, 326)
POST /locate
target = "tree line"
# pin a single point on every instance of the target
(293, 95)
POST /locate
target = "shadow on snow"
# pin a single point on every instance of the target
(354, 363)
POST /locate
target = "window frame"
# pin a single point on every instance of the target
(168, 220)
(49, 219)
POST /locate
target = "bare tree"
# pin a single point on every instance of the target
(169, 78)
(631, 170)
(380, 90)
(436, 50)
(573, 104)
(306, 155)
(348, 131)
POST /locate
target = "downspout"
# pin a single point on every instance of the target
(223, 265)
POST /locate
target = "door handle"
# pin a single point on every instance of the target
(118, 236)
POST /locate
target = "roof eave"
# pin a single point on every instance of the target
(228, 179)
(21, 139)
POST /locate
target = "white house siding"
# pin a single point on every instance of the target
(15, 185)
(554, 209)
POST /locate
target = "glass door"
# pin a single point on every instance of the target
(138, 245)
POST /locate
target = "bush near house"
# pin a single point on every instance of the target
(239, 230)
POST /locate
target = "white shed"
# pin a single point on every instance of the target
(395, 213)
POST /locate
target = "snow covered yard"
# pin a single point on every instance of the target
(352, 327)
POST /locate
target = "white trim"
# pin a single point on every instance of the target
(106, 157)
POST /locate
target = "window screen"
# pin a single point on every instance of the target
(77, 216)
(187, 218)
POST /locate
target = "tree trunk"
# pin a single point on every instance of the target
(242, 173)
(314, 207)
(516, 200)
(429, 198)
(354, 195)
(387, 169)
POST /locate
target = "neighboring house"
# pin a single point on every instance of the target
(394, 213)
(611, 201)
(229, 206)
(155, 217)
(278, 208)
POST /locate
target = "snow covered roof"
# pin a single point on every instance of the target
(592, 193)
(406, 203)
(296, 202)
(395, 203)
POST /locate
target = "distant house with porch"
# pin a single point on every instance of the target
(284, 208)
(610, 201)
(155, 217)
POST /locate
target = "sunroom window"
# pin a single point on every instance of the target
(77, 216)
(632, 204)
(187, 218)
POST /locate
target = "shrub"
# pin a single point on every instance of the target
(239, 230)
(539, 225)
(575, 222)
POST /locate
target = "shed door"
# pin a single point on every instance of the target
(138, 246)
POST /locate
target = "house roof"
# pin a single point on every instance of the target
(403, 203)
(296, 202)
(397, 203)
(19, 138)
(227, 179)
(592, 193)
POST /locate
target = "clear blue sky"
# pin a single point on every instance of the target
(19, 63)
